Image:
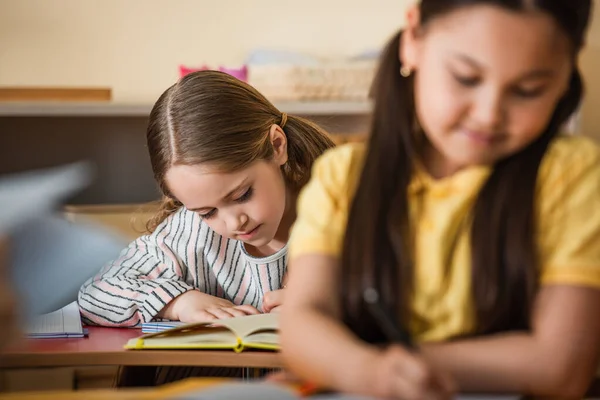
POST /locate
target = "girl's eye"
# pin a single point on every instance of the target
(466, 80)
(246, 196)
(242, 199)
(528, 93)
(209, 214)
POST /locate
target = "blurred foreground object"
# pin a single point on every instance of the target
(45, 258)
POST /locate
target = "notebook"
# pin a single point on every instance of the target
(63, 323)
(159, 326)
(238, 334)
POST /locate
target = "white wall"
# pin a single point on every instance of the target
(135, 46)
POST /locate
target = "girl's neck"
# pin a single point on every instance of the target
(289, 216)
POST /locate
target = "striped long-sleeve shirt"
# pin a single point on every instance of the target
(182, 254)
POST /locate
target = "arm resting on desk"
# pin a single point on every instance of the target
(558, 358)
(148, 275)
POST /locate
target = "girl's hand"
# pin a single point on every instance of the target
(394, 374)
(273, 301)
(195, 306)
(397, 373)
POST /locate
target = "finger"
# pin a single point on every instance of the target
(282, 377)
(411, 366)
(224, 304)
(414, 377)
(404, 387)
(201, 316)
(267, 308)
(278, 376)
(418, 380)
(220, 313)
(248, 309)
(446, 383)
(272, 299)
(275, 309)
(235, 312)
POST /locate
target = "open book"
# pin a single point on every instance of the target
(251, 331)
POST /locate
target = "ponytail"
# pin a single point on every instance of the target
(306, 142)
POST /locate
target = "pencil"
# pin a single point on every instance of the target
(385, 321)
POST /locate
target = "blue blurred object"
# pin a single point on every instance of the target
(257, 390)
(50, 257)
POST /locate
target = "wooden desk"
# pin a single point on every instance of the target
(104, 346)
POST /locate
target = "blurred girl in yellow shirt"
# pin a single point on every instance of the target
(474, 221)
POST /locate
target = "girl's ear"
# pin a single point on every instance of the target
(279, 143)
(409, 44)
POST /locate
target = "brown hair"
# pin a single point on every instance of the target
(212, 117)
(377, 248)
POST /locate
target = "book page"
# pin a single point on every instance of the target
(187, 335)
(268, 338)
(243, 327)
(63, 321)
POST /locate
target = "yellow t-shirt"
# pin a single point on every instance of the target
(568, 232)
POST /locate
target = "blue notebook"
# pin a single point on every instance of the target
(159, 326)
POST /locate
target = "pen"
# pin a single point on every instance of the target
(385, 321)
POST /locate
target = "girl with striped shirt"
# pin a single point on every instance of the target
(230, 166)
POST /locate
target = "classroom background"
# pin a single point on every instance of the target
(135, 49)
(132, 50)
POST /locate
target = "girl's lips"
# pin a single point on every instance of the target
(249, 234)
(479, 137)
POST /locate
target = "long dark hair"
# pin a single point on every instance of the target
(377, 249)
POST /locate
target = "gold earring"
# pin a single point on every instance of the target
(405, 71)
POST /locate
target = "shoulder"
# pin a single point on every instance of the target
(568, 159)
(341, 166)
(344, 156)
(572, 149)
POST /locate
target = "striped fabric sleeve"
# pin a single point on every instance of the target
(146, 276)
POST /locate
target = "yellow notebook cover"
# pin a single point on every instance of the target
(251, 331)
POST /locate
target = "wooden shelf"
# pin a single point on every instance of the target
(110, 109)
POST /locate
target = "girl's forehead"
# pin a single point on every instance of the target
(498, 38)
(485, 23)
